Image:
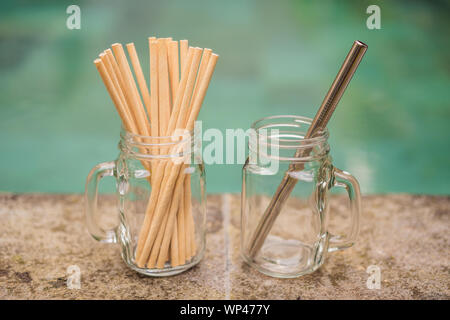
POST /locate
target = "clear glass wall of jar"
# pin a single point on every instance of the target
(161, 203)
(299, 239)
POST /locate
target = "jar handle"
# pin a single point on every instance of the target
(342, 179)
(105, 169)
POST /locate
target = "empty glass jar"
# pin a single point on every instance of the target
(161, 203)
(298, 241)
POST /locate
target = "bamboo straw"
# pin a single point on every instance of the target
(203, 87)
(157, 246)
(187, 78)
(154, 93)
(109, 68)
(178, 253)
(135, 102)
(167, 42)
(185, 102)
(191, 63)
(154, 109)
(193, 240)
(174, 250)
(161, 166)
(121, 109)
(187, 225)
(151, 263)
(184, 106)
(108, 65)
(177, 244)
(164, 87)
(155, 225)
(154, 118)
(139, 75)
(172, 182)
(117, 73)
(169, 229)
(159, 171)
(181, 231)
(186, 217)
(173, 66)
(174, 72)
(184, 46)
(143, 88)
(205, 59)
(164, 104)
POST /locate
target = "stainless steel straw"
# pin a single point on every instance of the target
(320, 121)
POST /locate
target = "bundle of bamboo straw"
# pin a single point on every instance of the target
(179, 79)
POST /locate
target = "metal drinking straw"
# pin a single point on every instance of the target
(320, 121)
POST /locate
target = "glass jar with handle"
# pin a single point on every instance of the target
(299, 240)
(161, 229)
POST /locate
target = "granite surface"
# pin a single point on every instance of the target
(42, 235)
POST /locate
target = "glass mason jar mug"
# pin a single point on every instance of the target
(161, 203)
(297, 240)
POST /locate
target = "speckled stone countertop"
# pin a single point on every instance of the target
(41, 235)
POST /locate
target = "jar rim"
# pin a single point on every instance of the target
(151, 147)
(320, 136)
(139, 140)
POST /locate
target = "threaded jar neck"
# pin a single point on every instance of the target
(283, 138)
(150, 147)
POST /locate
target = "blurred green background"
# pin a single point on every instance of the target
(391, 129)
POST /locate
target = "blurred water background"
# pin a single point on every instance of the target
(391, 129)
